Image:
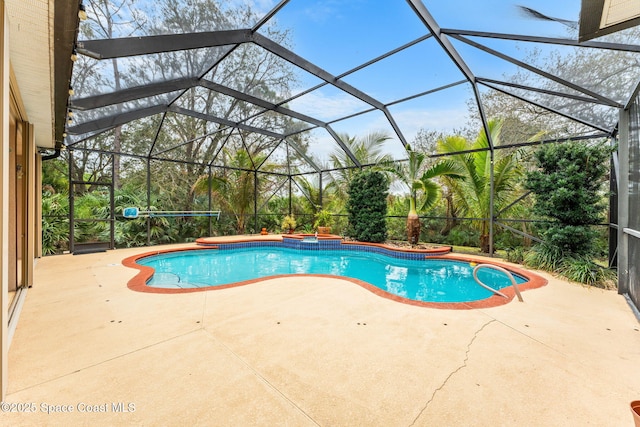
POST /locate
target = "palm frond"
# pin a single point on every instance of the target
(431, 192)
(472, 195)
(444, 168)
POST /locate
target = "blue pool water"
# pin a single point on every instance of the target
(427, 280)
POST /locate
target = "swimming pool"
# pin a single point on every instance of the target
(425, 280)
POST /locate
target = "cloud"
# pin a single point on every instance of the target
(441, 120)
(323, 146)
(325, 10)
(327, 108)
(264, 5)
(410, 122)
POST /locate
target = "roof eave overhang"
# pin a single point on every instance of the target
(65, 32)
(42, 35)
(591, 20)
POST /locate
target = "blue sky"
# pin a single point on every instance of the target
(338, 35)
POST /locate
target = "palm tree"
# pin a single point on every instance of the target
(472, 195)
(310, 189)
(233, 189)
(367, 150)
(419, 179)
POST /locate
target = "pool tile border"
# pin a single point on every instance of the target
(403, 253)
(534, 281)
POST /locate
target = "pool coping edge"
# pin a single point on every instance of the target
(139, 282)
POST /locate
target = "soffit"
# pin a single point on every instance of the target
(31, 53)
(617, 11)
(601, 17)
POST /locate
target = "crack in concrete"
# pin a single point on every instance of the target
(455, 371)
(261, 377)
(110, 359)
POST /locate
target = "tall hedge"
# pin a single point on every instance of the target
(367, 207)
(568, 188)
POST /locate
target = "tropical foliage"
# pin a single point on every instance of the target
(55, 222)
(471, 196)
(418, 178)
(367, 150)
(323, 218)
(462, 178)
(233, 188)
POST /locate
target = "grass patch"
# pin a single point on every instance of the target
(472, 250)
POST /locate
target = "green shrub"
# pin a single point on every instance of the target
(516, 255)
(568, 188)
(544, 257)
(583, 270)
(339, 225)
(307, 229)
(397, 228)
(577, 268)
(367, 206)
(288, 223)
(463, 236)
(323, 218)
(571, 239)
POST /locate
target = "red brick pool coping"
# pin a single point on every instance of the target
(534, 281)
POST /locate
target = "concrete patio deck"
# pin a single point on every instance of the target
(312, 351)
